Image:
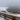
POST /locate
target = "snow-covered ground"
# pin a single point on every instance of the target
(17, 15)
(2, 18)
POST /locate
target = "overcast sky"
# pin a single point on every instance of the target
(10, 3)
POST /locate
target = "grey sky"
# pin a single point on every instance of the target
(10, 3)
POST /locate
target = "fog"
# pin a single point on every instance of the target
(12, 4)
